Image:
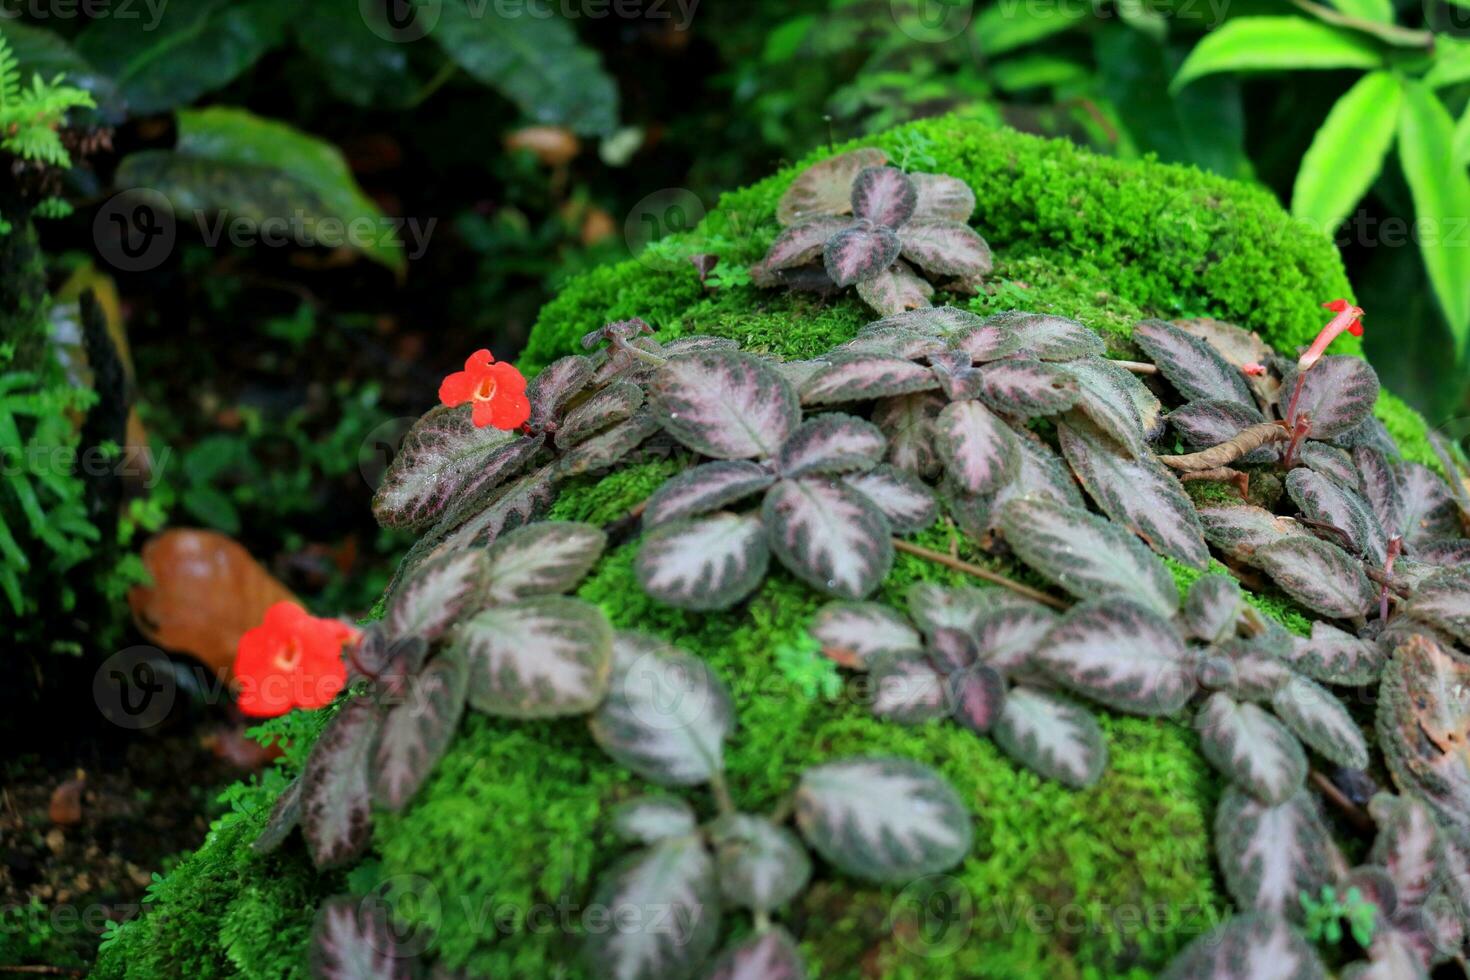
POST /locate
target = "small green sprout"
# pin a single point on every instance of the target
(1324, 916)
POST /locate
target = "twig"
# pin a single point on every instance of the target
(1403, 37)
(1258, 435)
(1380, 577)
(939, 557)
(1138, 367)
(1351, 810)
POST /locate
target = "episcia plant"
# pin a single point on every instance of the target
(851, 220)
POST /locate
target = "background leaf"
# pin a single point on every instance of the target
(672, 881)
(540, 658)
(542, 559)
(1275, 44)
(1347, 152)
(1441, 192)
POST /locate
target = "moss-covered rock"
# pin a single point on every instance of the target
(503, 845)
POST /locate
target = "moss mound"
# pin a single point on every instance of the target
(502, 847)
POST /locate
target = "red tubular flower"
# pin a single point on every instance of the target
(291, 660)
(1254, 369)
(497, 390)
(1349, 318)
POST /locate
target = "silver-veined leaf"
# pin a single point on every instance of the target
(352, 939)
(1251, 748)
(663, 904)
(1248, 947)
(907, 690)
(611, 405)
(1047, 337)
(1212, 608)
(859, 377)
(1247, 670)
(1191, 365)
(1444, 553)
(1321, 721)
(1429, 511)
(942, 198)
(1105, 396)
(1380, 481)
(883, 820)
(1337, 394)
(907, 502)
(1347, 152)
(988, 340)
(1331, 462)
(1443, 600)
(826, 186)
(704, 488)
(1087, 555)
(828, 535)
(831, 443)
(1010, 634)
(1328, 502)
(1408, 846)
(761, 866)
(607, 448)
(801, 243)
(432, 597)
(938, 607)
(510, 507)
(977, 694)
(542, 559)
(1053, 736)
(1274, 44)
(1270, 854)
(958, 378)
(1025, 389)
(416, 731)
(1335, 657)
(895, 289)
(892, 342)
(943, 321)
(725, 404)
(666, 716)
(946, 248)
(702, 563)
(1139, 493)
(336, 794)
(854, 634)
(1120, 654)
(769, 955)
(859, 252)
(978, 449)
(1041, 473)
(646, 819)
(884, 196)
(1320, 576)
(557, 383)
(539, 658)
(1240, 530)
(908, 423)
(1205, 424)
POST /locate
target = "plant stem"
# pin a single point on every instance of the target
(1138, 367)
(1255, 437)
(722, 792)
(948, 561)
(1351, 810)
(1402, 37)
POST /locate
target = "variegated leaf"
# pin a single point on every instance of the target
(801, 243)
(1269, 854)
(892, 342)
(284, 817)
(1443, 600)
(943, 321)
(937, 607)
(1204, 424)
(895, 289)
(607, 448)
(670, 895)
(1320, 576)
(432, 598)
(611, 405)
(1248, 947)
(1139, 493)
(1047, 337)
(942, 198)
(884, 196)
(761, 866)
(1087, 555)
(1041, 473)
(352, 939)
(1456, 466)
(416, 731)
(769, 955)
(542, 559)
(831, 443)
(1008, 636)
(1251, 748)
(646, 819)
(666, 716)
(907, 690)
(972, 513)
(725, 404)
(511, 507)
(828, 535)
(705, 488)
(951, 649)
(1025, 389)
(881, 819)
(444, 460)
(958, 378)
(1321, 721)
(1247, 670)
(859, 377)
(540, 658)
(1337, 394)
(1429, 511)
(1444, 553)
(1423, 726)
(1191, 365)
(1335, 657)
(946, 248)
(907, 502)
(978, 694)
(988, 341)
(1328, 502)
(1408, 846)
(860, 251)
(1053, 736)
(1381, 484)
(1120, 654)
(1104, 396)
(702, 563)
(557, 383)
(336, 795)
(826, 186)
(978, 449)
(908, 423)
(854, 634)
(1212, 608)
(1331, 462)
(1240, 530)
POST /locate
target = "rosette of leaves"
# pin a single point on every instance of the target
(974, 662)
(667, 718)
(829, 506)
(852, 221)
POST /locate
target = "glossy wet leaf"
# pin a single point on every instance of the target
(826, 186)
(725, 404)
(1191, 365)
(539, 658)
(1333, 656)
(978, 449)
(672, 882)
(666, 716)
(1320, 576)
(884, 196)
(705, 488)
(908, 423)
(1051, 735)
(709, 562)
(1089, 556)
(1328, 502)
(769, 955)
(855, 634)
(859, 252)
(1270, 854)
(1443, 600)
(336, 794)
(416, 731)
(859, 377)
(882, 819)
(1239, 530)
(1025, 389)
(611, 405)
(557, 383)
(942, 198)
(832, 443)
(646, 819)
(1253, 946)
(906, 501)
(1338, 394)
(606, 449)
(828, 535)
(351, 939)
(761, 866)
(1212, 607)
(1047, 337)
(908, 690)
(1138, 493)
(1321, 721)
(946, 248)
(1120, 654)
(542, 559)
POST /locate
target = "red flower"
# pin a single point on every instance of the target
(1255, 369)
(498, 391)
(1349, 318)
(291, 660)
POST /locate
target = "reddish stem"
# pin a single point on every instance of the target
(1395, 548)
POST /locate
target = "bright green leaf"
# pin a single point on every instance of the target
(1275, 44)
(1347, 152)
(1377, 11)
(1012, 24)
